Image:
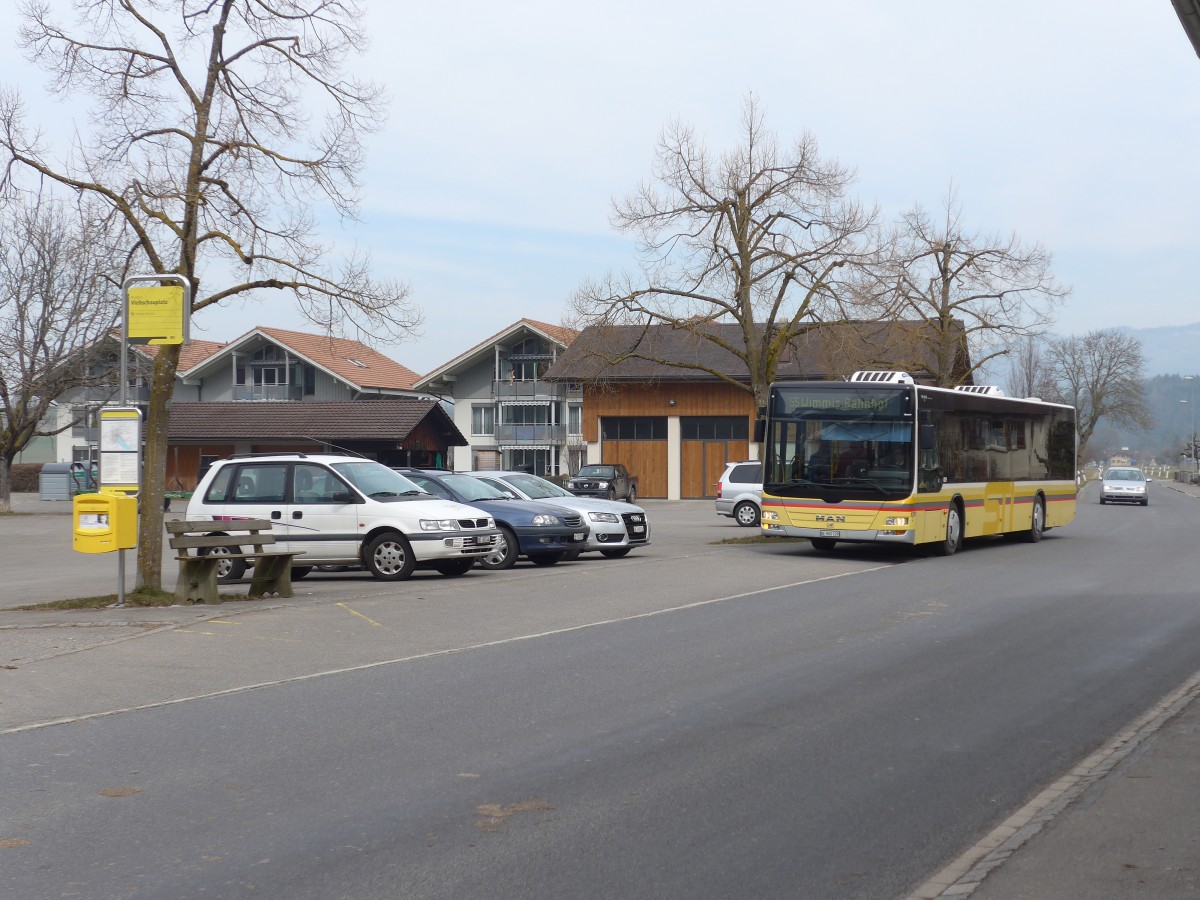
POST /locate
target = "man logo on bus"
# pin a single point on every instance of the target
(821, 518)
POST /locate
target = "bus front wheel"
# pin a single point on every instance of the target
(949, 545)
(1037, 525)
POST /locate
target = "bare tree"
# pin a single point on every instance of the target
(55, 305)
(1101, 374)
(204, 150)
(759, 236)
(994, 288)
(1028, 369)
(573, 454)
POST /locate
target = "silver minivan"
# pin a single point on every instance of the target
(739, 492)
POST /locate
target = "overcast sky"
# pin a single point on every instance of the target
(1074, 123)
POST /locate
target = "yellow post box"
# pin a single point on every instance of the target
(104, 522)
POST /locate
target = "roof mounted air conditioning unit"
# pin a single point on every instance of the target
(989, 389)
(883, 377)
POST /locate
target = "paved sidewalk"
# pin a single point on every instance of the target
(1123, 825)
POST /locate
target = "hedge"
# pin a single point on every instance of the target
(24, 478)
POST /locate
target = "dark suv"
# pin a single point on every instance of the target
(542, 532)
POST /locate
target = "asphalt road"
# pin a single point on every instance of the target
(692, 721)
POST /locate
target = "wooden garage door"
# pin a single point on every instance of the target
(645, 459)
(703, 463)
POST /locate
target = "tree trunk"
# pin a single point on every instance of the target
(154, 470)
(5, 484)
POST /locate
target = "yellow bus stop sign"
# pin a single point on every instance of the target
(157, 315)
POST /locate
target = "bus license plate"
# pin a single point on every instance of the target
(831, 534)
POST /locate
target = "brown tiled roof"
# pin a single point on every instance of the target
(563, 336)
(827, 351)
(560, 333)
(338, 355)
(192, 353)
(352, 420)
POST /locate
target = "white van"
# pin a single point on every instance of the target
(342, 510)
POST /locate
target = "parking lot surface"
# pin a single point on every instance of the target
(75, 663)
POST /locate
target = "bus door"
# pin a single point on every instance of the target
(998, 499)
(931, 520)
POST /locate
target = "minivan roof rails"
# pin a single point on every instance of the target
(296, 453)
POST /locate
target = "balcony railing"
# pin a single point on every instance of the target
(268, 392)
(537, 390)
(531, 434)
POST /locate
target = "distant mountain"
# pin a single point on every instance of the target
(1170, 350)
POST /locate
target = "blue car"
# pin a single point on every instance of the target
(542, 532)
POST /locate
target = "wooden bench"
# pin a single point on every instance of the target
(197, 581)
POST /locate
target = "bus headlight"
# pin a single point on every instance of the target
(897, 520)
(769, 515)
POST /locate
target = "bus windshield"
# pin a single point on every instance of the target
(839, 443)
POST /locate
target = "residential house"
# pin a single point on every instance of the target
(79, 409)
(652, 402)
(273, 390)
(512, 416)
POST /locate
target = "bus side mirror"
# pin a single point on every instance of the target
(926, 437)
(760, 430)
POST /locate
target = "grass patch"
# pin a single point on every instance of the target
(141, 597)
(762, 539)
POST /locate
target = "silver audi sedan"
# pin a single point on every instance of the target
(617, 527)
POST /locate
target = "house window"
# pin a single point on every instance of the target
(714, 428)
(519, 414)
(528, 360)
(269, 366)
(206, 462)
(574, 419)
(535, 462)
(483, 420)
(633, 428)
(524, 371)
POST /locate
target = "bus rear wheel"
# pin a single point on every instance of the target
(949, 545)
(823, 543)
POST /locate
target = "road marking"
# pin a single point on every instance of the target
(360, 615)
(965, 874)
(433, 654)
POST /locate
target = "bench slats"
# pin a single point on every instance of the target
(203, 526)
(220, 540)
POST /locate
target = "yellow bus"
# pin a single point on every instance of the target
(879, 458)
